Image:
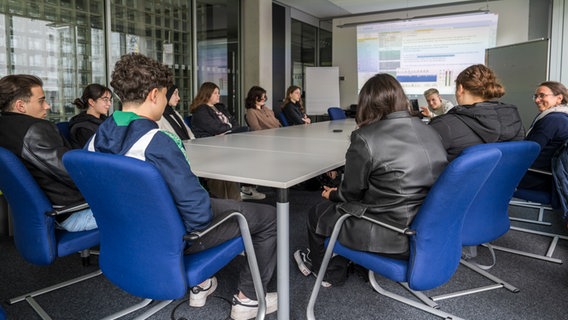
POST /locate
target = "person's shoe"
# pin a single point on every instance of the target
(247, 309)
(250, 193)
(302, 258)
(198, 294)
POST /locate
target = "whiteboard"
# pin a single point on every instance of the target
(322, 89)
(520, 67)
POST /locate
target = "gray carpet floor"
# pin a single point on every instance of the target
(543, 285)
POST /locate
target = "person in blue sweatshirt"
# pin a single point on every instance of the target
(141, 83)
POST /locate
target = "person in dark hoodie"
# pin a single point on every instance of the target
(94, 103)
(479, 117)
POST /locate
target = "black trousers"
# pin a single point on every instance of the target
(261, 220)
(336, 272)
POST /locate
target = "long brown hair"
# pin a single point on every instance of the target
(381, 95)
(287, 98)
(203, 95)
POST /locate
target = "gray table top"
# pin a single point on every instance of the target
(277, 158)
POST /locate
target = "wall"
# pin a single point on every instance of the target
(513, 28)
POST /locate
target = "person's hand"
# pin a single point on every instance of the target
(326, 191)
(426, 112)
(307, 120)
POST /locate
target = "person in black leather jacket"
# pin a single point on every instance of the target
(478, 118)
(393, 160)
(37, 142)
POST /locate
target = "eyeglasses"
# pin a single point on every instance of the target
(265, 98)
(542, 95)
(106, 99)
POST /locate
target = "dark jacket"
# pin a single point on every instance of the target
(39, 145)
(550, 133)
(205, 123)
(389, 168)
(468, 125)
(293, 114)
(82, 127)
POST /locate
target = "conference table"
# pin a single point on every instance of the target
(278, 158)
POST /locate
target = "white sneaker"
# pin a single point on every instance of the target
(250, 193)
(247, 309)
(198, 294)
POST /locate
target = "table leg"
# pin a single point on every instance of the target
(282, 253)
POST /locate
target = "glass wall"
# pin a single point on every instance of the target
(304, 46)
(217, 35)
(64, 43)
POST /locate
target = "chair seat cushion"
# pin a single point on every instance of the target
(542, 197)
(73, 242)
(202, 265)
(393, 269)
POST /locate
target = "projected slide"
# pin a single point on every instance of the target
(424, 53)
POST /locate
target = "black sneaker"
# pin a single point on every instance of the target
(302, 258)
(304, 262)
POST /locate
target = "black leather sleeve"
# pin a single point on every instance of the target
(44, 147)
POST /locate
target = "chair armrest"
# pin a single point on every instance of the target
(214, 224)
(398, 228)
(357, 209)
(57, 210)
(540, 171)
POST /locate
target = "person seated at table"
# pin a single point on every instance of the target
(390, 165)
(550, 130)
(142, 83)
(211, 118)
(258, 115)
(171, 120)
(436, 105)
(479, 117)
(39, 145)
(94, 103)
(292, 107)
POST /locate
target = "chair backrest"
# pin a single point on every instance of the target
(187, 120)
(435, 250)
(141, 231)
(63, 127)
(336, 113)
(283, 120)
(34, 232)
(488, 218)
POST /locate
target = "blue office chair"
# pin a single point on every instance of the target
(435, 235)
(487, 219)
(36, 238)
(2, 314)
(142, 233)
(63, 127)
(283, 120)
(542, 201)
(187, 120)
(336, 113)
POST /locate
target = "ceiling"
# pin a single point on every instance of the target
(324, 9)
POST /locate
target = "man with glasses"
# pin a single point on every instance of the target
(37, 142)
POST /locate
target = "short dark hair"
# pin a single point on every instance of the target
(254, 94)
(556, 88)
(93, 91)
(381, 95)
(135, 75)
(17, 87)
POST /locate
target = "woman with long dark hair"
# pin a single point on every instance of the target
(393, 160)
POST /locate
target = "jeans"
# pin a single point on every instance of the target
(79, 221)
(261, 219)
